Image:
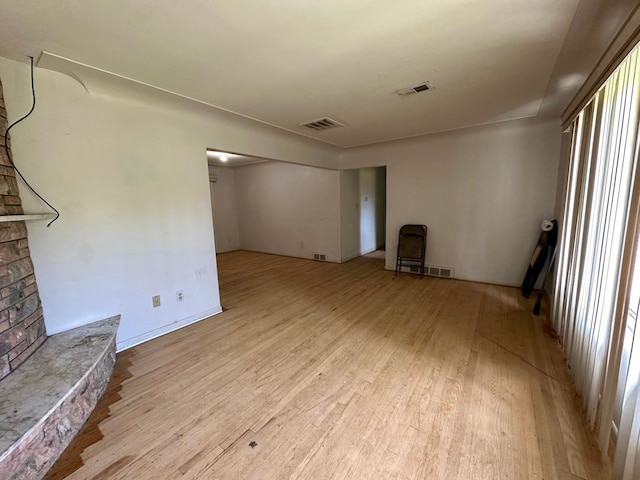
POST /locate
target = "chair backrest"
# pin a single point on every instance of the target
(419, 230)
(412, 241)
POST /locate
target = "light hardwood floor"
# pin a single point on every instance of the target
(318, 371)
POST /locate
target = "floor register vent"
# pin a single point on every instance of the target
(442, 272)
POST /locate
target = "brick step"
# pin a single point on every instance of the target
(45, 401)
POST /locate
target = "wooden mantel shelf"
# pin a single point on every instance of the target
(21, 218)
(30, 216)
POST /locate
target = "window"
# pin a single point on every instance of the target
(591, 284)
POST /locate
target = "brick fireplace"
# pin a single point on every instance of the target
(22, 328)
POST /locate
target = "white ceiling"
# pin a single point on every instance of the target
(290, 61)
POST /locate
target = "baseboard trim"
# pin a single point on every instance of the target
(158, 332)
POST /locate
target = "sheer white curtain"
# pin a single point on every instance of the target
(627, 458)
(590, 278)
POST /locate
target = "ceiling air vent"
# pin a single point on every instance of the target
(322, 124)
(405, 92)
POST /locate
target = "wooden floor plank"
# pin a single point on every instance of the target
(317, 370)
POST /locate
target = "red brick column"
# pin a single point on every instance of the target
(22, 328)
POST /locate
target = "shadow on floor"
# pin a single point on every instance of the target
(71, 459)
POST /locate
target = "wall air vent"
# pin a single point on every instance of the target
(405, 92)
(442, 272)
(322, 124)
(320, 257)
(432, 271)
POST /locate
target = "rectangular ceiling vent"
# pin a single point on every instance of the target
(324, 123)
(405, 92)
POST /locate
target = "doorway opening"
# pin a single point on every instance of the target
(222, 187)
(363, 212)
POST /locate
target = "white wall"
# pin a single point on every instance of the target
(224, 211)
(372, 199)
(481, 191)
(129, 175)
(289, 209)
(381, 206)
(350, 214)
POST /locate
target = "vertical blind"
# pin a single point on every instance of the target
(626, 416)
(594, 246)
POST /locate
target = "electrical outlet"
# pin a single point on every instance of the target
(180, 296)
(155, 300)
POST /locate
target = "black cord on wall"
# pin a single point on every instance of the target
(6, 147)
